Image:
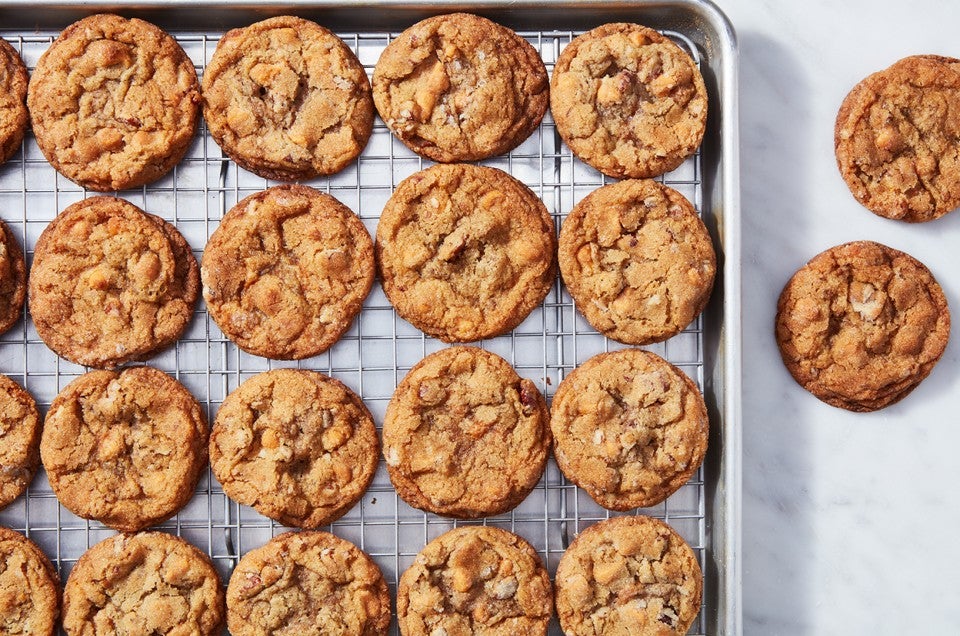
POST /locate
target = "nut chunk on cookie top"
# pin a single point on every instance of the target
(114, 103)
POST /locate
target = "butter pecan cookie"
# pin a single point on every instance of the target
(298, 446)
(465, 252)
(111, 283)
(287, 271)
(629, 428)
(475, 580)
(628, 101)
(125, 448)
(861, 325)
(19, 440)
(287, 99)
(144, 583)
(307, 582)
(628, 575)
(459, 87)
(896, 139)
(29, 587)
(637, 260)
(13, 100)
(465, 436)
(114, 103)
(13, 279)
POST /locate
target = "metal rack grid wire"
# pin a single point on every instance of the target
(370, 358)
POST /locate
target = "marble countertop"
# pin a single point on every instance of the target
(848, 519)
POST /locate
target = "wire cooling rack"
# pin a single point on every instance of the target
(371, 358)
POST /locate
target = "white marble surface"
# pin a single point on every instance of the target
(849, 520)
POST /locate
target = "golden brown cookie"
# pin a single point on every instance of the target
(637, 260)
(125, 448)
(298, 446)
(307, 582)
(19, 440)
(114, 103)
(29, 587)
(145, 583)
(628, 576)
(861, 325)
(475, 580)
(629, 428)
(111, 283)
(459, 87)
(13, 100)
(465, 252)
(287, 99)
(897, 139)
(628, 101)
(287, 271)
(13, 279)
(464, 436)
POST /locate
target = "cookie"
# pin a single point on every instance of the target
(287, 271)
(465, 252)
(896, 139)
(111, 283)
(29, 587)
(628, 101)
(475, 580)
(628, 575)
(298, 446)
(144, 583)
(637, 261)
(629, 428)
(13, 279)
(19, 440)
(287, 99)
(861, 325)
(307, 583)
(125, 448)
(13, 100)
(465, 436)
(459, 87)
(114, 103)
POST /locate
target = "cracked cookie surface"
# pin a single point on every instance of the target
(629, 428)
(144, 583)
(628, 101)
(896, 139)
(298, 446)
(628, 576)
(637, 260)
(475, 580)
(13, 100)
(465, 252)
(459, 87)
(125, 448)
(19, 440)
(307, 582)
(114, 103)
(287, 99)
(287, 271)
(861, 325)
(13, 278)
(29, 587)
(111, 283)
(465, 436)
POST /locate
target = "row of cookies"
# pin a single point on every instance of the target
(114, 103)
(624, 575)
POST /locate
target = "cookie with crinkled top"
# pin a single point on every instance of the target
(637, 260)
(13, 278)
(628, 101)
(896, 139)
(459, 87)
(114, 102)
(13, 100)
(861, 325)
(287, 99)
(19, 440)
(29, 587)
(287, 271)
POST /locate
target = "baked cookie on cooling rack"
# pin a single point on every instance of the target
(13, 100)
(29, 587)
(13, 279)
(19, 440)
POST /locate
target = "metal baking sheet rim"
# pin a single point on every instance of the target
(708, 28)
